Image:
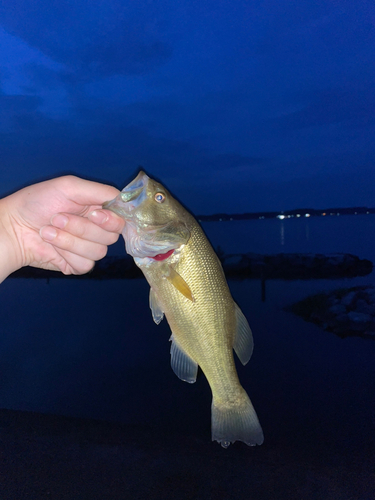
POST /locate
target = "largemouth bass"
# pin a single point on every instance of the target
(188, 286)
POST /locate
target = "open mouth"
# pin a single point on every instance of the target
(130, 197)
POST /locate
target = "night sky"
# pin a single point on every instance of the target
(234, 105)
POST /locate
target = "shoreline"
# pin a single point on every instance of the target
(287, 266)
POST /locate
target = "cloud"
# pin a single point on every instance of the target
(41, 77)
(351, 106)
(229, 124)
(14, 106)
(350, 184)
(232, 163)
(354, 187)
(107, 150)
(106, 147)
(92, 40)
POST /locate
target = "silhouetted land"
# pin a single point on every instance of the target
(286, 266)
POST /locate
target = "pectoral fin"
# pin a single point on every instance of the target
(243, 340)
(157, 312)
(184, 367)
(179, 283)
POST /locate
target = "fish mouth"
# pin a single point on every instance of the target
(130, 197)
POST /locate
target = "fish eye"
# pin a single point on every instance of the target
(159, 197)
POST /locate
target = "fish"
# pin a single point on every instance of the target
(189, 288)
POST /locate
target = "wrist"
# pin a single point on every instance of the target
(9, 249)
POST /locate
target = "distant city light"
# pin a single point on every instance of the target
(288, 214)
(285, 215)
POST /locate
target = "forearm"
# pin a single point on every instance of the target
(8, 250)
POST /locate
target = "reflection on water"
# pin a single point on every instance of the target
(282, 233)
(307, 231)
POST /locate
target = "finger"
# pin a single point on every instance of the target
(107, 220)
(83, 228)
(74, 264)
(86, 192)
(63, 240)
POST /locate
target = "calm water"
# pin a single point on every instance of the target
(351, 234)
(91, 349)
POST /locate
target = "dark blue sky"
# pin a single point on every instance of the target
(234, 105)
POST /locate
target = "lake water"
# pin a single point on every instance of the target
(91, 349)
(350, 234)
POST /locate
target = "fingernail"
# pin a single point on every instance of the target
(59, 221)
(48, 233)
(98, 217)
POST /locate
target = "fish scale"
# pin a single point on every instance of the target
(189, 287)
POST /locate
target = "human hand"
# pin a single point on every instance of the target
(58, 225)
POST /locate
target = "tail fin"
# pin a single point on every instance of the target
(237, 421)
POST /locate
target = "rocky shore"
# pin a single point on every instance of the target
(286, 266)
(346, 312)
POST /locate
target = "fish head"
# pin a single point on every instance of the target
(153, 217)
(144, 201)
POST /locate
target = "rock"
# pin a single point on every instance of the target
(348, 299)
(359, 318)
(338, 309)
(363, 306)
(346, 313)
(342, 319)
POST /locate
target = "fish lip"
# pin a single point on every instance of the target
(107, 204)
(130, 197)
(135, 187)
